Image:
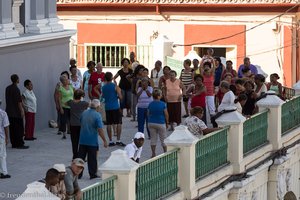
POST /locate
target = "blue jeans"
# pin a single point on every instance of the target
(126, 100)
(142, 116)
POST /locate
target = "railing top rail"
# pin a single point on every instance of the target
(215, 132)
(159, 156)
(100, 183)
(288, 100)
(257, 114)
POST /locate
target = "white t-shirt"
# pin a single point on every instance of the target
(133, 151)
(79, 74)
(76, 84)
(228, 100)
(262, 89)
(29, 101)
(3, 123)
(238, 107)
(195, 125)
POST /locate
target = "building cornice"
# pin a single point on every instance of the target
(177, 6)
(34, 38)
(183, 2)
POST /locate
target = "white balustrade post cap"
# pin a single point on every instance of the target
(181, 136)
(119, 163)
(230, 118)
(37, 190)
(270, 101)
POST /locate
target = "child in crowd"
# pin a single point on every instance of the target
(134, 149)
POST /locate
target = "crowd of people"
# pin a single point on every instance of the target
(87, 103)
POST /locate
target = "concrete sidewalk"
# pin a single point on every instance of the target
(28, 165)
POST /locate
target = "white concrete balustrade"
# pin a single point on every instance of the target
(250, 172)
(39, 17)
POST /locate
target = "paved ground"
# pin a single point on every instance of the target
(26, 166)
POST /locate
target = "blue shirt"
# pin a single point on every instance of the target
(90, 121)
(110, 96)
(252, 68)
(218, 73)
(156, 112)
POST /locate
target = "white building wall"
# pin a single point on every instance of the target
(264, 43)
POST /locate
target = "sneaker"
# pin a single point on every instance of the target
(64, 137)
(95, 176)
(111, 144)
(120, 144)
(29, 139)
(22, 147)
(4, 176)
(59, 133)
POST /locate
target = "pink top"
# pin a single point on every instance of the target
(173, 90)
(208, 81)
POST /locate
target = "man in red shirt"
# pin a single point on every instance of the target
(96, 78)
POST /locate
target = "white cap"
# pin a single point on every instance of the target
(139, 135)
(59, 167)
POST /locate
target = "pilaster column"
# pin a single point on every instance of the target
(50, 14)
(38, 23)
(186, 141)
(125, 169)
(273, 103)
(16, 4)
(235, 138)
(7, 28)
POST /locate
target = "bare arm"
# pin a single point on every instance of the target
(280, 89)
(119, 92)
(137, 85)
(115, 77)
(160, 83)
(209, 130)
(183, 88)
(138, 94)
(83, 82)
(166, 117)
(20, 105)
(165, 94)
(61, 110)
(101, 134)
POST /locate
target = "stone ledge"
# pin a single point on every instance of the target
(32, 38)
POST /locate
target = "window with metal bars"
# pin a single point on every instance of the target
(109, 55)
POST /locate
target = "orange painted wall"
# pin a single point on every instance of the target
(104, 33)
(204, 33)
(287, 59)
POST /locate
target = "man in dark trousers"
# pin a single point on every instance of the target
(15, 113)
(91, 127)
